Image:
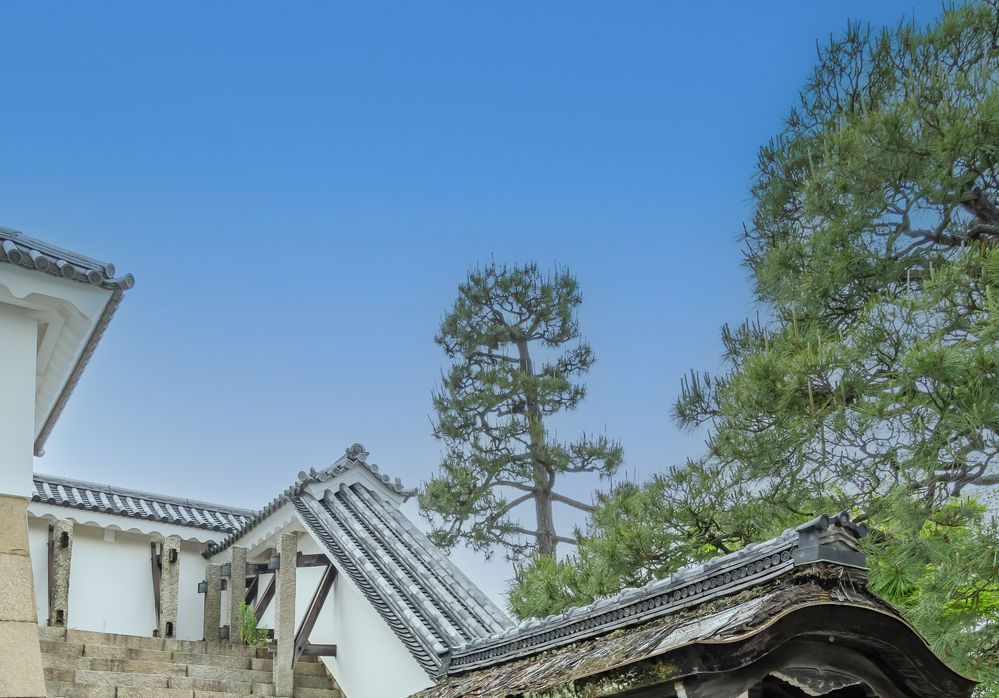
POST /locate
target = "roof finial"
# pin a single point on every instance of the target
(357, 453)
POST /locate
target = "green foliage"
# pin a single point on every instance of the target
(872, 383)
(516, 356)
(249, 632)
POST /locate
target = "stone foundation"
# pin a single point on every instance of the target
(20, 656)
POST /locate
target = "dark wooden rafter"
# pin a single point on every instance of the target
(51, 563)
(157, 566)
(314, 560)
(252, 587)
(265, 598)
(312, 612)
(311, 650)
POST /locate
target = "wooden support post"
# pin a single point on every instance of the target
(312, 612)
(284, 616)
(213, 602)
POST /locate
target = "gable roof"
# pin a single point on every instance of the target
(62, 491)
(426, 600)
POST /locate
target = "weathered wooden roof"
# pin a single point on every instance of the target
(826, 604)
(811, 579)
(830, 538)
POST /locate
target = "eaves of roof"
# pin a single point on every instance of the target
(19, 250)
(108, 499)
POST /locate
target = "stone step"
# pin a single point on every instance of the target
(86, 664)
(64, 689)
(154, 693)
(310, 669)
(132, 666)
(200, 671)
(120, 679)
(214, 685)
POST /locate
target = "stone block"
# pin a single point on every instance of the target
(13, 525)
(61, 562)
(284, 615)
(213, 603)
(116, 678)
(216, 685)
(200, 671)
(222, 661)
(60, 649)
(71, 690)
(237, 589)
(23, 658)
(129, 692)
(169, 586)
(88, 637)
(51, 634)
(17, 591)
(57, 674)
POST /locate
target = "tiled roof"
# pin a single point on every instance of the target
(20, 250)
(354, 457)
(139, 505)
(828, 539)
(421, 594)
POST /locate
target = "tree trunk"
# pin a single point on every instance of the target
(543, 480)
(543, 509)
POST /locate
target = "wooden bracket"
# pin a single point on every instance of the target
(312, 612)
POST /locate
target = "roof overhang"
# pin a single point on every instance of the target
(72, 298)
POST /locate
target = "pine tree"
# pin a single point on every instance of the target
(516, 354)
(871, 383)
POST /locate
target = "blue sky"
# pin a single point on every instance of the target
(299, 188)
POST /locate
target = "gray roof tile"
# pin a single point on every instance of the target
(118, 501)
(419, 592)
(20, 250)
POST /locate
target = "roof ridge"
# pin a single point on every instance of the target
(30, 253)
(352, 456)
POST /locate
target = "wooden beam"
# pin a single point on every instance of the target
(312, 612)
(265, 598)
(311, 650)
(157, 572)
(315, 560)
(51, 563)
(251, 590)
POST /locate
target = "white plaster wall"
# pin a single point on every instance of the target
(110, 585)
(18, 343)
(371, 662)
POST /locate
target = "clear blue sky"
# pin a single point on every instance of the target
(299, 188)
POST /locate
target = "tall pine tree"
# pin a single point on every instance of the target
(516, 357)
